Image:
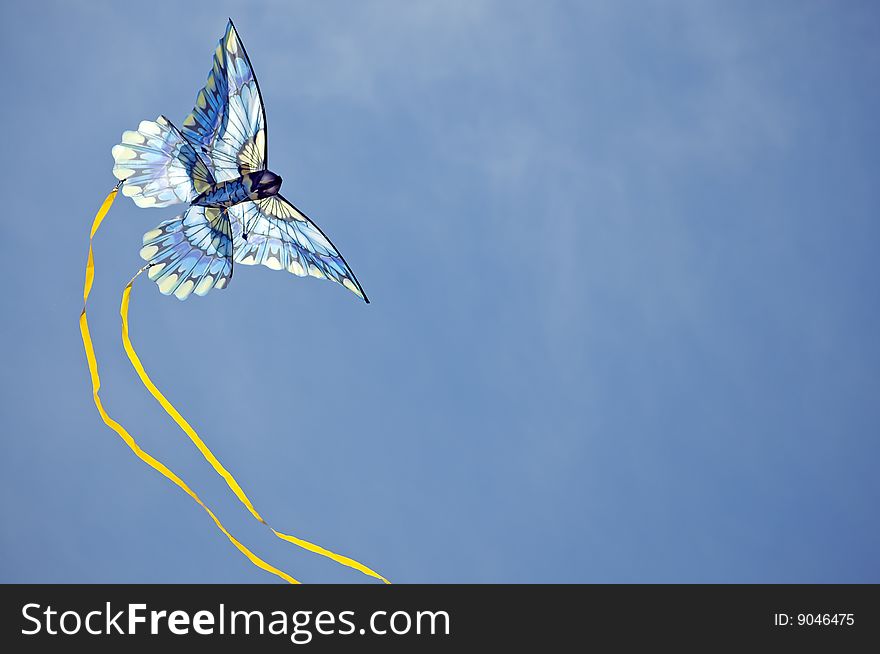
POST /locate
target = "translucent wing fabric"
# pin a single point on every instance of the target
(281, 237)
(191, 253)
(228, 123)
(159, 166)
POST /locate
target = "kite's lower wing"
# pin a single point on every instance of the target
(191, 253)
(281, 237)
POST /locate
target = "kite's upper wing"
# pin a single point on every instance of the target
(280, 236)
(228, 124)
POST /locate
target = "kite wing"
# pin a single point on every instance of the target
(191, 253)
(159, 166)
(228, 123)
(281, 237)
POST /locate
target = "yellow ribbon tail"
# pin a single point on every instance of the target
(209, 455)
(119, 429)
(339, 558)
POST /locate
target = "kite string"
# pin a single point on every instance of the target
(206, 451)
(118, 428)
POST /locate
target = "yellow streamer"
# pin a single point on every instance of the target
(209, 455)
(182, 423)
(118, 428)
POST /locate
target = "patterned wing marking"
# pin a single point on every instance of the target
(228, 122)
(203, 125)
(159, 166)
(281, 237)
(191, 253)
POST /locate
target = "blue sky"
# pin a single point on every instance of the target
(623, 272)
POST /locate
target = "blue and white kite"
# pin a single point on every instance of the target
(218, 165)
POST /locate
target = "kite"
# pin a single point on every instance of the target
(217, 165)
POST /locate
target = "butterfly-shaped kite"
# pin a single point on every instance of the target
(217, 165)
